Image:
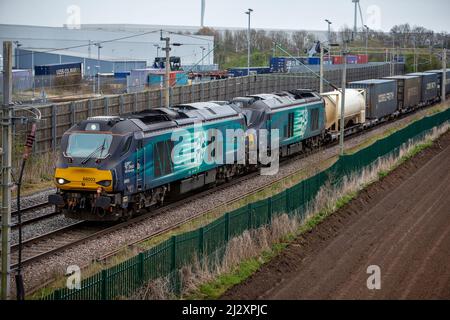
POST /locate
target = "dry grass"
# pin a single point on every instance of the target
(38, 174)
(220, 271)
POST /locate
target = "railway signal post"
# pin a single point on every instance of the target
(444, 75)
(321, 68)
(167, 77)
(344, 84)
(6, 169)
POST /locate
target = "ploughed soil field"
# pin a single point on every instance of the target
(401, 224)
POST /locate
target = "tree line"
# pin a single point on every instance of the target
(231, 45)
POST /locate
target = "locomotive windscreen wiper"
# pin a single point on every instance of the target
(100, 148)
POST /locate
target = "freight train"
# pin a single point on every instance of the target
(112, 167)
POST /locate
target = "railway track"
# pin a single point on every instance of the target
(64, 238)
(38, 218)
(74, 234)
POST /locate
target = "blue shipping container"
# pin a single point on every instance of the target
(352, 60)
(121, 75)
(284, 64)
(278, 64)
(440, 74)
(63, 69)
(242, 72)
(314, 60)
(429, 85)
(182, 79)
(381, 97)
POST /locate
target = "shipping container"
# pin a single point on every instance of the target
(277, 64)
(362, 58)
(314, 60)
(58, 75)
(242, 72)
(338, 59)
(22, 80)
(59, 70)
(121, 75)
(181, 78)
(408, 91)
(176, 78)
(381, 97)
(399, 58)
(352, 59)
(284, 64)
(429, 86)
(440, 79)
(138, 79)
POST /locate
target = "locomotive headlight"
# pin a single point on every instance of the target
(105, 183)
(62, 181)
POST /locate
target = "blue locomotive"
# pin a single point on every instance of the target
(113, 167)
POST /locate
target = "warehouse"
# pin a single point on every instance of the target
(116, 44)
(28, 58)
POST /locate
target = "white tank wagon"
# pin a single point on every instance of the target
(354, 110)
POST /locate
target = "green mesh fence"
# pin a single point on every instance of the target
(166, 258)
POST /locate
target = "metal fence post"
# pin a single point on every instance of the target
(250, 213)
(54, 115)
(104, 279)
(135, 102)
(89, 108)
(201, 243)
(288, 207)
(210, 89)
(57, 294)
(72, 113)
(226, 89)
(227, 227)
(202, 91)
(141, 267)
(121, 111)
(269, 209)
(106, 105)
(149, 100)
(182, 94)
(173, 254)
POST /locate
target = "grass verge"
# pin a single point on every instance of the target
(244, 269)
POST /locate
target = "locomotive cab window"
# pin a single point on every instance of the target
(126, 146)
(89, 145)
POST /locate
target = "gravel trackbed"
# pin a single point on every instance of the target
(401, 224)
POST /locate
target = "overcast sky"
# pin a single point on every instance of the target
(283, 14)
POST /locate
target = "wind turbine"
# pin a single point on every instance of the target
(355, 27)
(203, 13)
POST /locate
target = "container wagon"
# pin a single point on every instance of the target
(381, 97)
(429, 92)
(440, 79)
(354, 110)
(408, 91)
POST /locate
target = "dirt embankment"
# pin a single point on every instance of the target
(400, 224)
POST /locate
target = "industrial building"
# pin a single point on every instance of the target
(29, 58)
(123, 46)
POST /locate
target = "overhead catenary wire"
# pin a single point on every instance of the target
(307, 67)
(113, 40)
